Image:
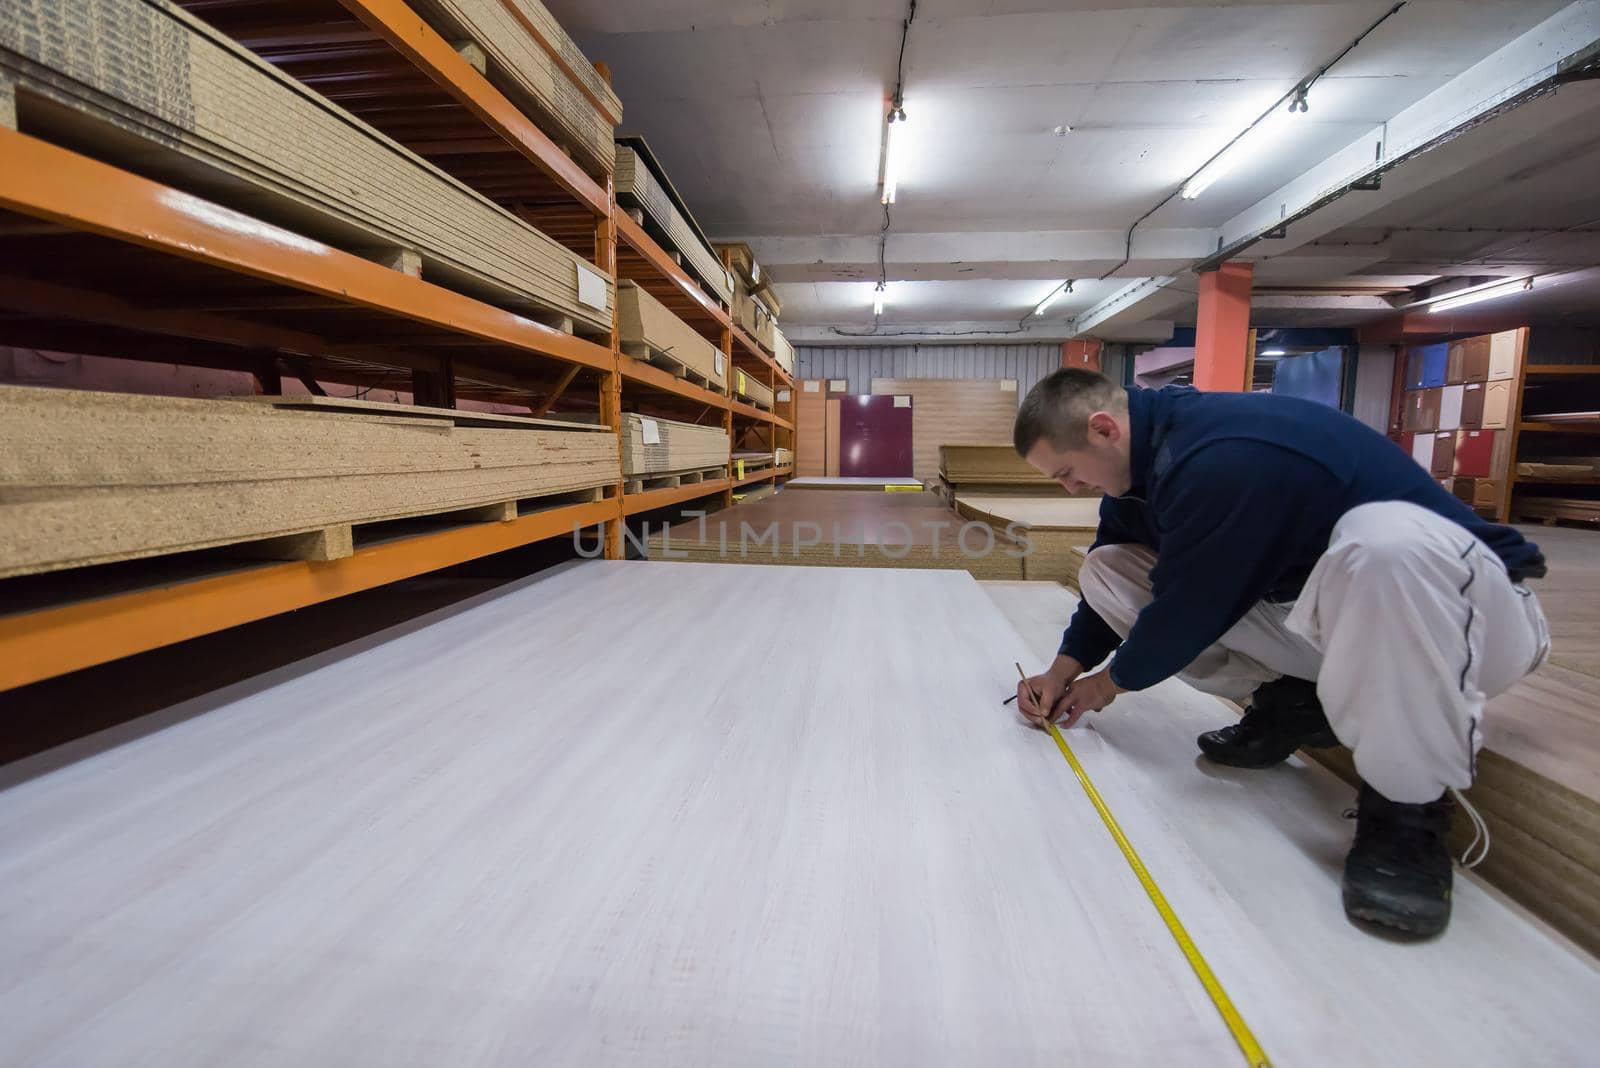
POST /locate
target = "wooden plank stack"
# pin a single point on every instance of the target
(1051, 529)
(172, 97)
(644, 322)
(653, 446)
(991, 470)
(948, 410)
(90, 478)
(531, 59)
(782, 351)
(755, 392)
(643, 186)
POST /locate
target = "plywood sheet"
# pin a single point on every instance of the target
(1052, 530)
(831, 430)
(745, 385)
(977, 411)
(88, 478)
(155, 88)
(968, 464)
(810, 428)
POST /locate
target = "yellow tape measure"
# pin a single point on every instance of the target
(1252, 1050)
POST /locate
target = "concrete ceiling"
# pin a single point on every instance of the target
(769, 118)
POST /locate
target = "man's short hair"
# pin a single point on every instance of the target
(1059, 407)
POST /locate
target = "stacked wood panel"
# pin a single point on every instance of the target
(644, 321)
(994, 470)
(756, 392)
(652, 446)
(643, 186)
(88, 478)
(531, 59)
(176, 99)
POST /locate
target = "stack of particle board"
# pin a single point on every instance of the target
(653, 446)
(531, 59)
(992, 470)
(756, 281)
(945, 410)
(641, 184)
(752, 314)
(1050, 529)
(157, 89)
(782, 457)
(782, 351)
(751, 390)
(644, 322)
(90, 478)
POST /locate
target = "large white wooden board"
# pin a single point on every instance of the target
(555, 829)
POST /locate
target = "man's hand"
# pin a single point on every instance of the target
(1051, 686)
(1088, 694)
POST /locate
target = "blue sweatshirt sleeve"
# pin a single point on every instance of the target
(1230, 515)
(1088, 638)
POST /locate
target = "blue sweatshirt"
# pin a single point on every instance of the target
(1238, 494)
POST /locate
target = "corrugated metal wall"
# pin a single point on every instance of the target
(861, 364)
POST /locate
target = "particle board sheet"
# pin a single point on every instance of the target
(746, 386)
(539, 68)
(810, 428)
(89, 478)
(1260, 852)
(946, 410)
(965, 464)
(368, 860)
(659, 446)
(831, 432)
(782, 351)
(1049, 528)
(641, 182)
(156, 89)
(783, 457)
(854, 482)
(861, 530)
(644, 320)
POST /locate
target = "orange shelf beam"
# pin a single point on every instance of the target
(63, 187)
(647, 375)
(632, 234)
(396, 23)
(1564, 369)
(53, 641)
(649, 500)
(1562, 428)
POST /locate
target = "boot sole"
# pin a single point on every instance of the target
(1413, 931)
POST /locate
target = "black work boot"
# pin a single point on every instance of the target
(1398, 872)
(1283, 716)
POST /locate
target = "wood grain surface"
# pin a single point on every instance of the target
(975, 411)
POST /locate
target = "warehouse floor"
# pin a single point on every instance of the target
(594, 849)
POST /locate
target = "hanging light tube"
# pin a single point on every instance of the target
(877, 299)
(893, 151)
(1486, 292)
(1053, 296)
(1250, 145)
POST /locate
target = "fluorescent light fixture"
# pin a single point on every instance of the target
(877, 300)
(1252, 144)
(1052, 297)
(1484, 292)
(894, 149)
(1273, 352)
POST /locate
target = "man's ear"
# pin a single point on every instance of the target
(1104, 425)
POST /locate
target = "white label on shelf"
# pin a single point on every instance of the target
(811, 386)
(719, 363)
(755, 273)
(1008, 385)
(840, 384)
(591, 286)
(652, 431)
(783, 394)
(902, 402)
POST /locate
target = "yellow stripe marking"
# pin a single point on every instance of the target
(1252, 1050)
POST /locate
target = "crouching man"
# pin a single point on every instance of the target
(1277, 552)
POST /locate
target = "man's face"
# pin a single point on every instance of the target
(1101, 464)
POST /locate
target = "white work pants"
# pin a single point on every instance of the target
(1408, 624)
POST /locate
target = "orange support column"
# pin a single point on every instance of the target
(1081, 352)
(1221, 332)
